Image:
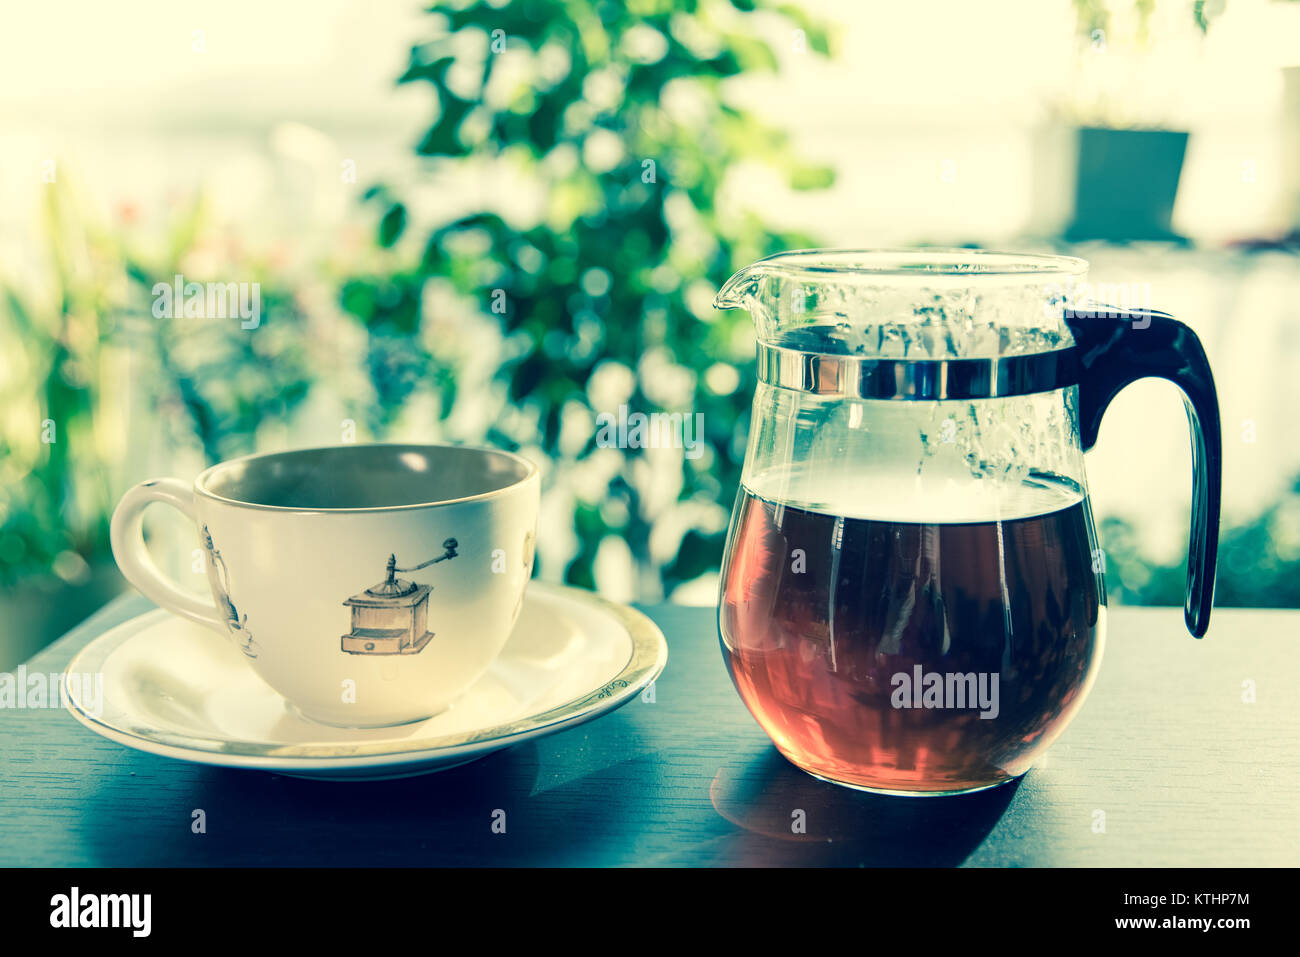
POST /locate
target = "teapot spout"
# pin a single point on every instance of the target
(739, 291)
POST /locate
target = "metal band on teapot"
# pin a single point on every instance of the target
(916, 379)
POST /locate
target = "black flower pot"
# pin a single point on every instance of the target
(1126, 184)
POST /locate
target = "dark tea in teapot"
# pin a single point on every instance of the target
(913, 655)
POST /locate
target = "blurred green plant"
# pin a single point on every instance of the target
(218, 382)
(1092, 16)
(54, 502)
(85, 349)
(615, 116)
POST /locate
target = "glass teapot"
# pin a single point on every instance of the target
(912, 596)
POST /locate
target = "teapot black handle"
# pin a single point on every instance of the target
(1114, 347)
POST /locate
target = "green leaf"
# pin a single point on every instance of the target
(391, 226)
(752, 54)
(818, 37)
(811, 177)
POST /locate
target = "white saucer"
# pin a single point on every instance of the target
(180, 690)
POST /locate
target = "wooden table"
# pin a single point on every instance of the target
(1185, 771)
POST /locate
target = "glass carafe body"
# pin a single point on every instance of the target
(913, 596)
(898, 612)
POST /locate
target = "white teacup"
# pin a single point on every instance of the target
(367, 584)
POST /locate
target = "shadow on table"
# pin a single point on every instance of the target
(768, 796)
(253, 818)
(583, 809)
(612, 813)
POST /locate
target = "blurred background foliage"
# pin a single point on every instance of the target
(599, 294)
(553, 257)
(612, 116)
(1259, 562)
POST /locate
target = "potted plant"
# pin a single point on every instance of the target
(1109, 167)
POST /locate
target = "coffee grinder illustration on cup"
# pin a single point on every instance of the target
(391, 618)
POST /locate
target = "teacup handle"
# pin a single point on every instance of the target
(126, 534)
